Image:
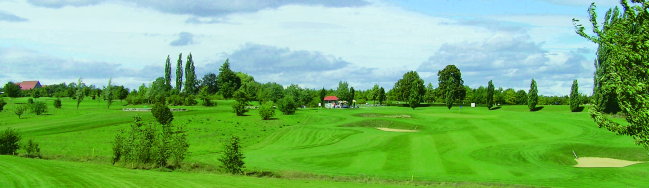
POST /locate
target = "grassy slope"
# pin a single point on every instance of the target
(510, 145)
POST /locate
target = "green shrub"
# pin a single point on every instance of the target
(175, 100)
(149, 146)
(9, 139)
(33, 149)
(287, 105)
(38, 108)
(208, 102)
(30, 101)
(19, 110)
(267, 111)
(162, 113)
(239, 108)
(189, 100)
(57, 103)
(232, 159)
(2, 104)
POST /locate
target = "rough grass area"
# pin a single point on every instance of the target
(468, 146)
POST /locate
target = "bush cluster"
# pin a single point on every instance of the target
(267, 111)
(9, 139)
(287, 105)
(57, 103)
(162, 114)
(150, 146)
(33, 149)
(232, 159)
(2, 104)
(38, 108)
(239, 108)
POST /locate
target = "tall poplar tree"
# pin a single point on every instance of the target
(108, 93)
(168, 72)
(574, 97)
(190, 75)
(179, 73)
(490, 94)
(79, 94)
(532, 96)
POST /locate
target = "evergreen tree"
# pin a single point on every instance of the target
(323, 94)
(532, 96)
(190, 75)
(574, 97)
(168, 72)
(232, 159)
(179, 73)
(490, 95)
(352, 94)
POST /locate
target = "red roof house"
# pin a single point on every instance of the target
(331, 98)
(27, 85)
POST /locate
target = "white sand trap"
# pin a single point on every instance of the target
(398, 130)
(587, 162)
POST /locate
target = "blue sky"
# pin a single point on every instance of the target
(312, 43)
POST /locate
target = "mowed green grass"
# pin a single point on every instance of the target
(506, 146)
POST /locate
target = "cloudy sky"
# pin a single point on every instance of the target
(313, 43)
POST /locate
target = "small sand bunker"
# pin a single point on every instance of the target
(383, 115)
(397, 130)
(586, 162)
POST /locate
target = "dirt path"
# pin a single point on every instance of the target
(397, 130)
(586, 162)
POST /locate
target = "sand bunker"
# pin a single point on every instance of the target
(383, 115)
(586, 162)
(397, 130)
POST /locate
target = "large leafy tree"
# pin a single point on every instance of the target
(179, 73)
(382, 97)
(574, 97)
(343, 91)
(403, 87)
(417, 92)
(190, 76)
(12, 90)
(227, 80)
(168, 72)
(209, 82)
(270, 92)
(490, 94)
(451, 84)
(623, 41)
(429, 96)
(532, 96)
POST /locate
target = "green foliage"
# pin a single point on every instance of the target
(287, 105)
(451, 85)
(189, 100)
(429, 95)
(30, 101)
(79, 93)
(162, 114)
(232, 159)
(621, 68)
(227, 80)
(510, 96)
(204, 96)
(532, 96)
(179, 73)
(108, 94)
(11, 90)
(209, 82)
(149, 146)
(239, 107)
(323, 94)
(342, 92)
(490, 94)
(2, 104)
(382, 96)
(521, 96)
(168, 72)
(57, 103)
(271, 92)
(38, 108)
(190, 76)
(575, 99)
(19, 110)
(402, 88)
(9, 139)
(267, 111)
(32, 149)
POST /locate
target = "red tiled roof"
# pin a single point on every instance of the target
(27, 85)
(331, 98)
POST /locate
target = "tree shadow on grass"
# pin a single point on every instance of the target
(495, 108)
(579, 109)
(538, 108)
